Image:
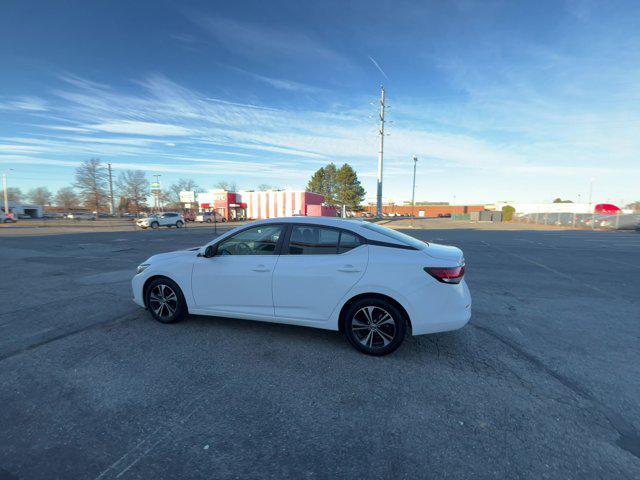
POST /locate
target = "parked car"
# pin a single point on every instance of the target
(189, 216)
(369, 282)
(54, 215)
(210, 217)
(81, 216)
(7, 218)
(167, 219)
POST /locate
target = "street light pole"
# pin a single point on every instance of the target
(6, 194)
(413, 192)
(593, 213)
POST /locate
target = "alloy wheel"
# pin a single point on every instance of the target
(373, 327)
(163, 301)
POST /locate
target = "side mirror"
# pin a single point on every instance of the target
(210, 251)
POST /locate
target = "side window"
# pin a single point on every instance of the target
(260, 240)
(307, 240)
(348, 242)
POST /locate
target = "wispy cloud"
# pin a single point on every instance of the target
(263, 43)
(131, 127)
(27, 103)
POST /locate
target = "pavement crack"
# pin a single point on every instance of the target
(629, 437)
(55, 338)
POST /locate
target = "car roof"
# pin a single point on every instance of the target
(357, 226)
(326, 221)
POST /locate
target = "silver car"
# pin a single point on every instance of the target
(167, 219)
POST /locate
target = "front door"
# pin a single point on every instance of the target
(237, 280)
(316, 269)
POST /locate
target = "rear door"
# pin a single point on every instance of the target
(317, 267)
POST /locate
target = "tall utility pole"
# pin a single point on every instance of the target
(413, 192)
(593, 213)
(380, 155)
(6, 194)
(112, 207)
(156, 192)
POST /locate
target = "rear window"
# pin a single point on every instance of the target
(395, 235)
(309, 240)
(313, 241)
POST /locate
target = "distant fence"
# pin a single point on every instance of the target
(630, 221)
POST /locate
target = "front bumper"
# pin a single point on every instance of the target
(137, 283)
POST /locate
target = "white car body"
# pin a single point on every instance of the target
(311, 290)
(168, 219)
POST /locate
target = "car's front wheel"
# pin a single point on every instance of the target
(165, 301)
(154, 225)
(374, 326)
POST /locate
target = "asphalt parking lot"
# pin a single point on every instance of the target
(543, 383)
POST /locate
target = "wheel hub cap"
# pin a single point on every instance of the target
(373, 327)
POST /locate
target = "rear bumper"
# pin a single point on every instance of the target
(450, 310)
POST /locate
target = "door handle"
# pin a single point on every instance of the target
(348, 269)
(261, 268)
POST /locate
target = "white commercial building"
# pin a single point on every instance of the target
(34, 211)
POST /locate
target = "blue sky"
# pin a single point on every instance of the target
(520, 101)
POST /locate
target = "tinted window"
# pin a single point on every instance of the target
(348, 242)
(399, 237)
(260, 240)
(306, 240)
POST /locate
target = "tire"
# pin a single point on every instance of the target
(179, 224)
(208, 220)
(165, 301)
(154, 225)
(224, 220)
(374, 326)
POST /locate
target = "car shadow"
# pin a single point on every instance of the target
(420, 348)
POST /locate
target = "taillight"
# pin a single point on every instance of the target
(446, 274)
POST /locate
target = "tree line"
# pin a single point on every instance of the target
(91, 190)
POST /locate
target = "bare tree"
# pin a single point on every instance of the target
(67, 198)
(14, 194)
(40, 196)
(182, 185)
(91, 181)
(228, 186)
(263, 187)
(133, 186)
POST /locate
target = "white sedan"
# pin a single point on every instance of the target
(167, 219)
(372, 283)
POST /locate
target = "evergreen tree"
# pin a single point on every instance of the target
(338, 186)
(348, 189)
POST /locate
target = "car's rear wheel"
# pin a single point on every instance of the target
(165, 301)
(374, 326)
(154, 225)
(179, 224)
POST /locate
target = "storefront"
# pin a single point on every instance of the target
(226, 204)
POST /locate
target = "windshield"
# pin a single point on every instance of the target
(394, 234)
